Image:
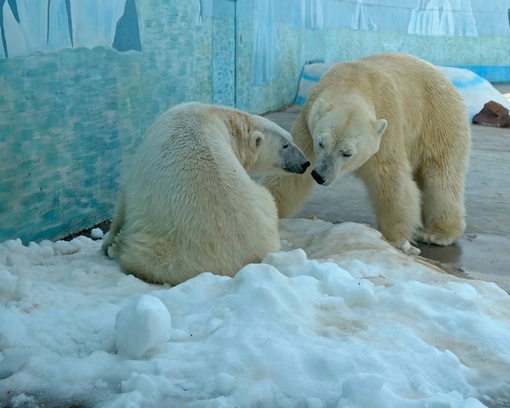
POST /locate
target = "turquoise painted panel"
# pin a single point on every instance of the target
(71, 120)
(81, 81)
(224, 58)
(494, 74)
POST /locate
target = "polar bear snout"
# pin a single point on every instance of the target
(317, 177)
(297, 168)
(294, 160)
(304, 166)
(325, 171)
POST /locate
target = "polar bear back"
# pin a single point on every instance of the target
(190, 204)
(201, 172)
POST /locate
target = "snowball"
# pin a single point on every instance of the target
(96, 233)
(141, 325)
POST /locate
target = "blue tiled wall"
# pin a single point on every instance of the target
(81, 81)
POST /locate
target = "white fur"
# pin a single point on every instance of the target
(399, 124)
(189, 205)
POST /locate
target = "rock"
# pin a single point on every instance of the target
(493, 114)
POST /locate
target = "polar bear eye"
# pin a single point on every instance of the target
(286, 145)
(345, 153)
(321, 145)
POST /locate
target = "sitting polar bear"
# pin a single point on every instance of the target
(189, 205)
(400, 125)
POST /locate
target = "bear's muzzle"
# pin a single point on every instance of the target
(318, 178)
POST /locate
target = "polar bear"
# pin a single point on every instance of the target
(400, 125)
(189, 204)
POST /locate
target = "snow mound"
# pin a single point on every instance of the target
(339, 319)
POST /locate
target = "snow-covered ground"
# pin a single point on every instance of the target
(339, 318)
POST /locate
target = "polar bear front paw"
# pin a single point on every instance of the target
(436, 238)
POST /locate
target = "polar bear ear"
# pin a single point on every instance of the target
(256, 139)
(319, 109)
(380, 126)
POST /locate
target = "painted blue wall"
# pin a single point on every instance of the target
(81, 81)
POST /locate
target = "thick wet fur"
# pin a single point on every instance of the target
(400, 125)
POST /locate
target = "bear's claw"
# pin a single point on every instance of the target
(436, 239)
(407, 248)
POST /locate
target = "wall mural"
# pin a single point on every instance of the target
(308, 14)
(72, 113)
(265, 52)
(29, 26)
(361, 20)
(199, 13)
(428, 18)
(443, 17)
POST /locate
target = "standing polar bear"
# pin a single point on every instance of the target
(400, 125)
(189, 205)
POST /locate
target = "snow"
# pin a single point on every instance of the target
(143, 324)
(96, 233)
(338, 318)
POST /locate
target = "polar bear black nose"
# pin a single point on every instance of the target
(304, 166)
(317, 177)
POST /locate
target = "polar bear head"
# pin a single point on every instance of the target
(273, 150)
(345, 135)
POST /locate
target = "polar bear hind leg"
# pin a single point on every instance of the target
(442, 204)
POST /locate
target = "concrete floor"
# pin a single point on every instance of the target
(484, 250)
